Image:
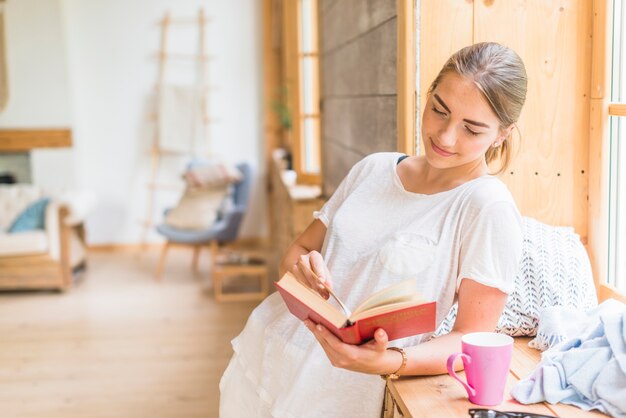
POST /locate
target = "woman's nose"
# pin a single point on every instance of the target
(447, 136)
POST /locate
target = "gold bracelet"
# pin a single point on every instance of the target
(396, 374)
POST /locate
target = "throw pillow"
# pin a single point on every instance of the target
(212, 175)
(554, 271)
(31, 218)
(197, 209)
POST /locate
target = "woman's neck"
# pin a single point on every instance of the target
(453, 176)
(418, 176)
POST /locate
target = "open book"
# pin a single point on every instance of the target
(398, 309)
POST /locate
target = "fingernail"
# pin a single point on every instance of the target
(319, 327)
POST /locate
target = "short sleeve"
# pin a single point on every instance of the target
(327, 212)
(491, 247)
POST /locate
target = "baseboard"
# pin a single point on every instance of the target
(249, 242)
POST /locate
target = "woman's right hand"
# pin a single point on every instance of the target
(312, 271)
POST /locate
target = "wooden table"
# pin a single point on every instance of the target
(248, 264)
(442, 396)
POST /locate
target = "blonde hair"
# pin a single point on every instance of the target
(500, 75)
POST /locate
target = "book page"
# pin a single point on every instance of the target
(313, 300)
(381, 309)
(401, 292)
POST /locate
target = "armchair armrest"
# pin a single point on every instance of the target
(56, 213)
(79, 204)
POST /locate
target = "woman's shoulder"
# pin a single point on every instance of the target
(377, 160)
(380, 157)
(488, 190)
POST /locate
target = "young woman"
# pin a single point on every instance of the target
(440, 218)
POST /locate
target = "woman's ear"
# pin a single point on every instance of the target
(504, 134)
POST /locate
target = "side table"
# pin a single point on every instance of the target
(239, 265)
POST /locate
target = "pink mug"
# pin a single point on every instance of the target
(486, 357)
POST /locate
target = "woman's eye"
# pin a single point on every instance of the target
(472, 132)
(439, 112)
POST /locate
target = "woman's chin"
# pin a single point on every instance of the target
(437, 161)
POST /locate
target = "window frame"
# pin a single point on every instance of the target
(601, 109)
(292, 29)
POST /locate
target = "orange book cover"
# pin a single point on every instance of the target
(398, 310)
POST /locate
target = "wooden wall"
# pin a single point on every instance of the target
(358, 77)
(549, 175)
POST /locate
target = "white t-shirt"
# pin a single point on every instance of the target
(379, 234)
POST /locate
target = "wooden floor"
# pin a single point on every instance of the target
(119, 344)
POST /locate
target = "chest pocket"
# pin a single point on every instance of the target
(407, 254)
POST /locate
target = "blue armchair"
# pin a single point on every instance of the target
(224, 230)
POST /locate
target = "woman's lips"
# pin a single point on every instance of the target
(439, 150)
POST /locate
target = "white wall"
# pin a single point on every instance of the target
(36, 65)
(38, 82)
(111, 47)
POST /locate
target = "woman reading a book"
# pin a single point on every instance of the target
(441, 219)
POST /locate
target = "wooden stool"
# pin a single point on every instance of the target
(254, 268)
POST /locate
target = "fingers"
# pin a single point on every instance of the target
(306, 272)
(318, 265)
(380, 341)
(330, 343)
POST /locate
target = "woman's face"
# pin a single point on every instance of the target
(458, 126)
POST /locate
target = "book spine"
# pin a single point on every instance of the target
(402, 323)
(302, 312)
(350, 335)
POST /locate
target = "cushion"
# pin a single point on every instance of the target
(212, 175)
(554, 271)
(198, 208)
(31, 218)
(23, 243)
(14, 198)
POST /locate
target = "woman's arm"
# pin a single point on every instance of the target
(480, 308)
(303, 256)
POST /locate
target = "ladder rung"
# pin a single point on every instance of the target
(164, 55)
(145, 223)
(206, 119)
(171, 186)
(163, 151)
(184, 21)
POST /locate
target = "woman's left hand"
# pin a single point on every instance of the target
(371, 357)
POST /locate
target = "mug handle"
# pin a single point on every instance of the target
(468, 360)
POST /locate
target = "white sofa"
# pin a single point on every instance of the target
(40, 259)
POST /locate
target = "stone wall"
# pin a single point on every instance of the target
(358, 77)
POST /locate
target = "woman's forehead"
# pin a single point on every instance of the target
(461, 95)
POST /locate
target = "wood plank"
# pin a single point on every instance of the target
(525, 359)
(598, 192)
(438, 41)
(617, 109)
(606, 291)
(15, 140)
(442, 396)
(600, 50)
(553, 38)
(118, 344)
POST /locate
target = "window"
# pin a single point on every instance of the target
(308, 147)
(616, 272)
(301, 76)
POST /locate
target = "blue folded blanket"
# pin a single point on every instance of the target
(588, 370)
